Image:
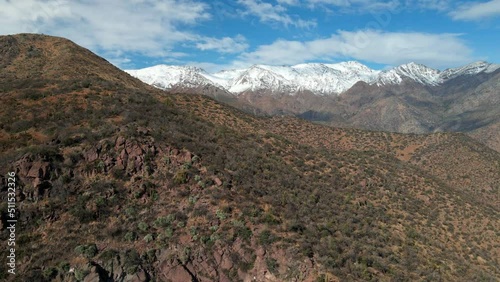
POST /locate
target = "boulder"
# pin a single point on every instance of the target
(39, 169)
(133, 150)
(140, 276)
(217, 181)
(93, 276)
(120, 141)
(185, 157)
(91, 155)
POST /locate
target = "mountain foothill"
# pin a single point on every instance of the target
(119, 180)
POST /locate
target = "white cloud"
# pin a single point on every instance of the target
(121, 29)
(371, 6)
(144, 26)
(269, 13)
(435, 50)
(288, 2)
(439, 5)
(224, 45)
(356, 5)
(477, 11)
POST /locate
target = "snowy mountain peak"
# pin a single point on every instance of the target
(352, 64)
(470, 69)
(413, 68)
(413, 71)
(316, 77)
(165, 76)
(259, 77)
(321, 79)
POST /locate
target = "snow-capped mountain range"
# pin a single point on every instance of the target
(321, 79)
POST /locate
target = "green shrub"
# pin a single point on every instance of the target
(186, 165)
(64, 267)
(132, 261)
(100, 201)
(143, 226)
(154, 195)
(148, 238)
(220, 214)
(169, 232)
(80, 249)
(131, 236)
(164, 221)
(181, 177)
(244, 233)
(193, 199)
(80, 274)
(50, 273)
(130, 211)
(33, 94)
(21, 125)
(108, 255)
(88, 251)
(272, 265)
(266, 238)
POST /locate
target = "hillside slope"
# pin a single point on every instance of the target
(117, 180)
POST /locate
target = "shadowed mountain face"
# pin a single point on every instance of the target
(119, 181)
(463, 104)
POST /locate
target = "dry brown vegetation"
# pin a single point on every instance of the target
(120, 180)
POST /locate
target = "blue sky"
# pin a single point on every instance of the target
(231, 34)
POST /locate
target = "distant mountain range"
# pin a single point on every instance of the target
(410, 98)
(321, 79)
